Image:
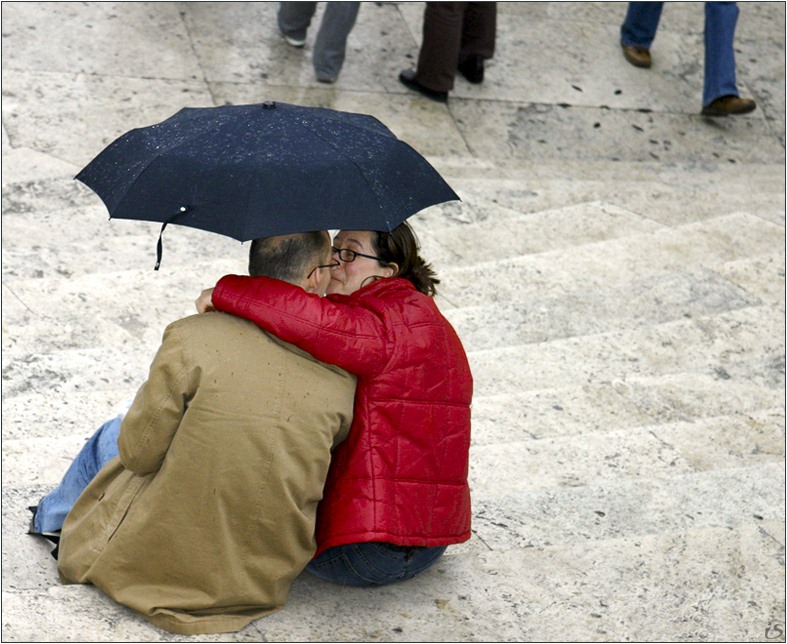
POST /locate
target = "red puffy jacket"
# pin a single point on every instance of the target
(401, 476)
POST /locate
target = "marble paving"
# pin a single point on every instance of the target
(615, 269)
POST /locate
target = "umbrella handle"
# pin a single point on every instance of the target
(160, 244)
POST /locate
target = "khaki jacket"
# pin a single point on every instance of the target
(207, 516)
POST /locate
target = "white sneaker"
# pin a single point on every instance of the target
(295, 42)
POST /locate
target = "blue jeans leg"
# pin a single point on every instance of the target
(720, 21)
(640, 25)
(101, 448)
(372, 563)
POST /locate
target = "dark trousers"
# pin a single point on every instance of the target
(452, 33)
(372, 563)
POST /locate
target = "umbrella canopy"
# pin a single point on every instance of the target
(249, 171)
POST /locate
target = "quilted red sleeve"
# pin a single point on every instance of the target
(338, 332)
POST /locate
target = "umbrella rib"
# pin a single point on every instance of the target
(342, 153)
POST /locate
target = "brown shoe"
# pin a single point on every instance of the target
(727, 105)
(637, 56)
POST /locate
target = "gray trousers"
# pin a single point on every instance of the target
(338, 20)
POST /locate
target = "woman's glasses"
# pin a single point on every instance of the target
(347, 255)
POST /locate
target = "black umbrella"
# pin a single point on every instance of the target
(249, 171)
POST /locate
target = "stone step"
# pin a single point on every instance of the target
(39, 415)
(121, 305)
(567, 592)
(509, 514)
(53, 456)
(683, 408)
(86, 241)
(628, 453)
(497, 419)
(761, 276)
(743, 345)
(74, 372)
(581, 455)
(685, 174)
(508, 233)
(74, 241)
(653, 299)
(143, 301)
(530, 182)
(670, 196)
(483, 201)
(701, 245)
(55, 428)
(668, 193)
(588, 592)
(49, 193)
(631, 401)
(92, 244)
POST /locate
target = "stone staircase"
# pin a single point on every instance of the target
(628, 414)
(622, 306)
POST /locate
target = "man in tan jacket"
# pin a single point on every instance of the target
(207, 516)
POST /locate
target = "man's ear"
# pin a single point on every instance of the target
(312, 283)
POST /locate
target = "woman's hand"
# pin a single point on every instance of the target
(204, 302)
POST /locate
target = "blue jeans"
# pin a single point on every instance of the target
(101, 448)
(372, 563)
(642, 21)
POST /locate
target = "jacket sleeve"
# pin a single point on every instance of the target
(339, 331)
(150, 424)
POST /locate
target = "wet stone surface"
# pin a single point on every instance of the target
(615, 270)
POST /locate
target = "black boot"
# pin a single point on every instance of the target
(473, 69)
(407, 78)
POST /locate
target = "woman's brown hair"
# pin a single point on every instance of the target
(400, 246)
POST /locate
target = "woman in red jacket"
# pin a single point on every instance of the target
(397, 491)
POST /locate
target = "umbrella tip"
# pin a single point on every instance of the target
(269, 105)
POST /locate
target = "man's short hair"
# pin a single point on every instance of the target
(287, 257)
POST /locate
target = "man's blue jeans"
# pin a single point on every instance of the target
(372, 563)
(101, 448)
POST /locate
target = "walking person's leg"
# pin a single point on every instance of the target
(479, 29)
(442, 38)
(331, 43)
(294, 19)
(720, 96)
(641, 23)
(720, 21)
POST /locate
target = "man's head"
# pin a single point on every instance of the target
(303, 259)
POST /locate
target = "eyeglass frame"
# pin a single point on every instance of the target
(355, 254)
(333, 264)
